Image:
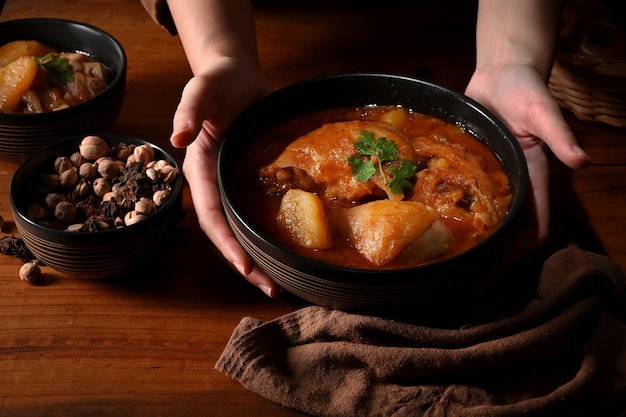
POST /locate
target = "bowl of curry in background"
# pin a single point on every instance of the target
(425, 224)
(25, 130)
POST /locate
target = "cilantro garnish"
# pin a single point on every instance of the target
(59, 69)
(373, 154)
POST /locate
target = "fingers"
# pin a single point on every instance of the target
(201, 174)
(547, 122)
(187, 120)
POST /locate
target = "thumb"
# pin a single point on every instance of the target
(548, 124)
(187, 121)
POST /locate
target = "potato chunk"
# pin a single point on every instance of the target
(15, 79)
(11, 51)
(383, 229)
(302, 214)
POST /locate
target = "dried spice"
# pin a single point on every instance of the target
(98, 187)
(30, 271)
(15, 246)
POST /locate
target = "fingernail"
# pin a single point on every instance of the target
(581, 152)
(240, 268)
(267, 290)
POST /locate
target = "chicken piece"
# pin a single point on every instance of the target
(385, 229)
(90, 77)
(456, 185)
(323, 154)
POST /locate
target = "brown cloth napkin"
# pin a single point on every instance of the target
(558, 349)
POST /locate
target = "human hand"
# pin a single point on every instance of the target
(518, 95)
(210, 102)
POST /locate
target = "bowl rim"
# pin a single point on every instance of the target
(24, 170)
(315, 267)
(119, 77)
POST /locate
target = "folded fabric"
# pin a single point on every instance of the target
(552, 346)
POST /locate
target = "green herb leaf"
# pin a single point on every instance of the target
(402, 176)
(59, 69)
(373, 154)
(363, 169)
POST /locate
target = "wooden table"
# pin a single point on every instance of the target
(146, 345)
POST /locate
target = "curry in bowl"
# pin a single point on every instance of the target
(373, 187)
(36, 78)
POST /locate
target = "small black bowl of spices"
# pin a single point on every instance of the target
(96, 206)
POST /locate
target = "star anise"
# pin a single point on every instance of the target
(14, 246)
(96, 223)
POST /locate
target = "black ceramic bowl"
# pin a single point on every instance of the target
(100, 254)
(347, 288)
(23, 134)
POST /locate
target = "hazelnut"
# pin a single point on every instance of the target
(144, 153)
(62, 163)
(77, 159)
(158, 165)
(93, 147)
(152, 174)
(133, 217)
(82, 188)
(65, 212)
(112, 196)
(109, 168)
(160, 197)
(30, 271)
(168, 174)
(101, 186)
(88, 170)
(69, 177)
(123, 151)
(53, 199)
(131, 159)
(144, 206)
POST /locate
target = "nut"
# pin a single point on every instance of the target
(144, 153)
(152, 174)
(30, 271)
(77, 159)
(69, 177)
(144, 206)
(88, 170)
(123, 151)
(160, 197)
(65, 212)
(62, 163)
(109, 168)
(101, 186)
(132, 217)
(82, 188)
(93, 147)
(52, 199)
(168, 174)
(112, 196)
